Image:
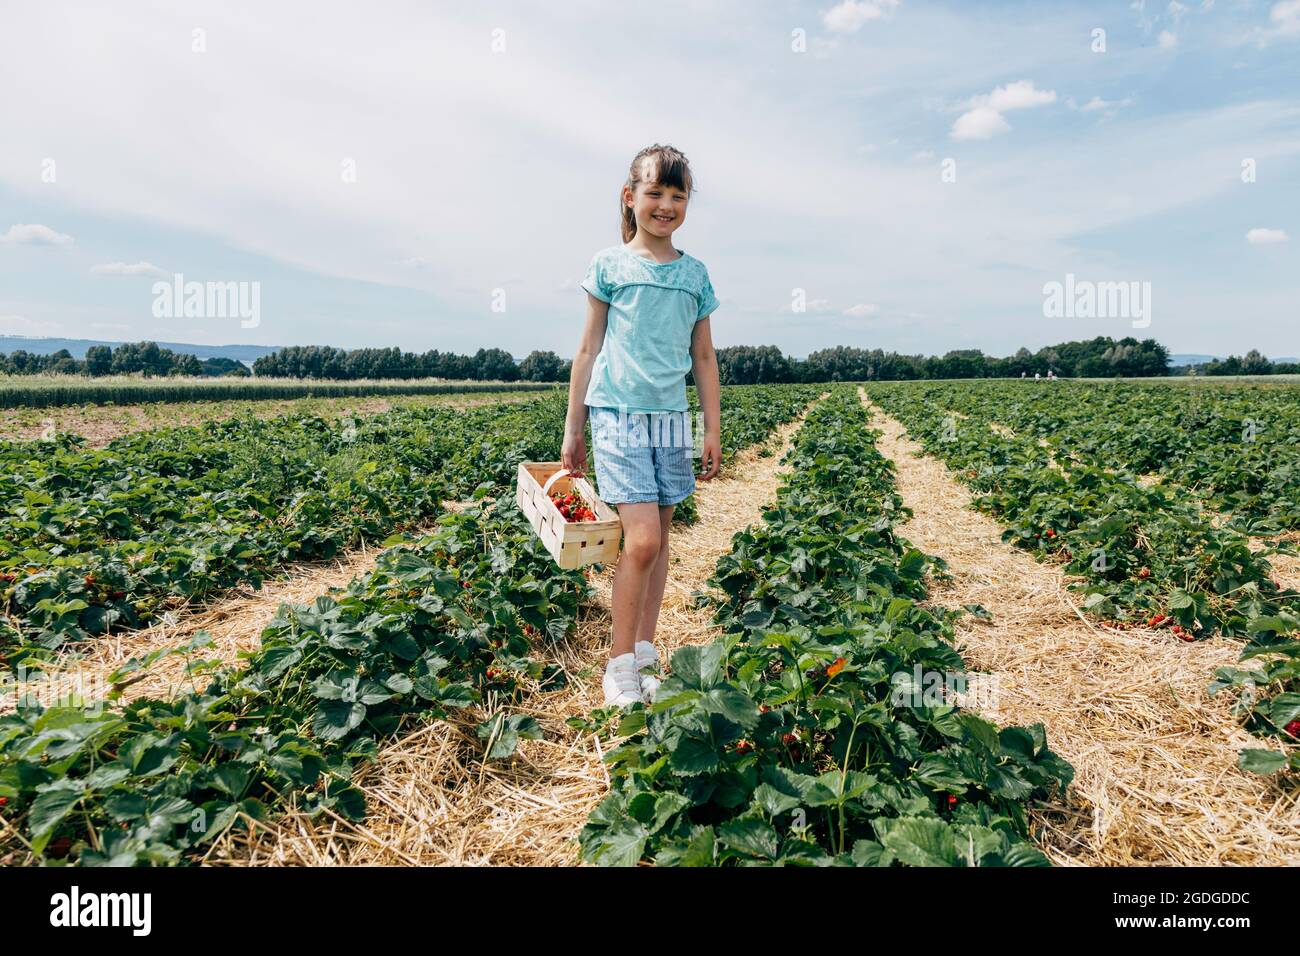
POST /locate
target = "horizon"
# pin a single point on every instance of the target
(236, 345)
(914, 176)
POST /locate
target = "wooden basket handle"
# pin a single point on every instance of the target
(546, 488)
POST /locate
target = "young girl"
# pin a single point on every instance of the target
(648, 308)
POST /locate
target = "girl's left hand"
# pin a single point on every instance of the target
(710, 457)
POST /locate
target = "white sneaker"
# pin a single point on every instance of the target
(622, 683)
(647, 656)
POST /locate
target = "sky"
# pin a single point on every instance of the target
(892, 174)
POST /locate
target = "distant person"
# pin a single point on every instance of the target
(1037, 376)
(648, 308)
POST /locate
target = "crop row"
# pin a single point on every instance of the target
(811, 732)
(1141, 554)
(36, 392)
(98, 539)
(1236, 447)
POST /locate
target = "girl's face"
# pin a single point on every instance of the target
(658, 209)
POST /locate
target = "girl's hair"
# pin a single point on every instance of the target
(670, 168)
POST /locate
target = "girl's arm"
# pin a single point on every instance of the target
(704, 366)
(573, 457)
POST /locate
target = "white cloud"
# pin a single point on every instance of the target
(1166, 40)
(1107, 108)
(34, 234)
(1285, 17)
(1176, 9)
(22, 325)
(1260, 237)
(852, 14)
(862, 310)
(1016, 96)
(128, 269)
(983, 118)
(980, 123)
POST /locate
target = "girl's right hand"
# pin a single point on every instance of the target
(573, 456)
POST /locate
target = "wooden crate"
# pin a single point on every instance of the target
(572, 543)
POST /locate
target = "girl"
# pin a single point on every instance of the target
(648, 308)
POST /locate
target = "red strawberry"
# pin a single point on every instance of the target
(743, 746)
(952, 799)
(1293, 729)
(1144, 573)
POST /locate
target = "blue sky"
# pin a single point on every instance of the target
(817, 134)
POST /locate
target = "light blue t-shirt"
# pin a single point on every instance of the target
(653, 308)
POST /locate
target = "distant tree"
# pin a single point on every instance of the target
(495, 365)
(542, 367)
(224, 367)
(1256, 364)
(99, 360)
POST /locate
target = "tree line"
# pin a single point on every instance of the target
(1101, 357)
(1252, 363)
(131, 358)
(325, 362)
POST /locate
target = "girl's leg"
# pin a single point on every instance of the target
(641, 546)
(654, 592)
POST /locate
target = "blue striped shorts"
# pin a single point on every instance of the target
(645, 457)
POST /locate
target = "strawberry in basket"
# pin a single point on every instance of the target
(572, 507)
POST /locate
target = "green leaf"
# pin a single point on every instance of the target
(691, 756)
(622, 844)
(1263, 762)
(505, 732)
(773, 802)
(919, 841)
(731, 703)
(334, 719)
(751, 836)
(47, 812)
(697, 666)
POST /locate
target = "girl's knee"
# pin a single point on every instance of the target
(642, 545)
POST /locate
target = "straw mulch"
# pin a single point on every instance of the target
(433, 800)
(1156, 781)
(234, 622)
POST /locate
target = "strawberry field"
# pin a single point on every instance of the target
(1167, 504)
(801, 728)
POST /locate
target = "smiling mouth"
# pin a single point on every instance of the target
(663, 218)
